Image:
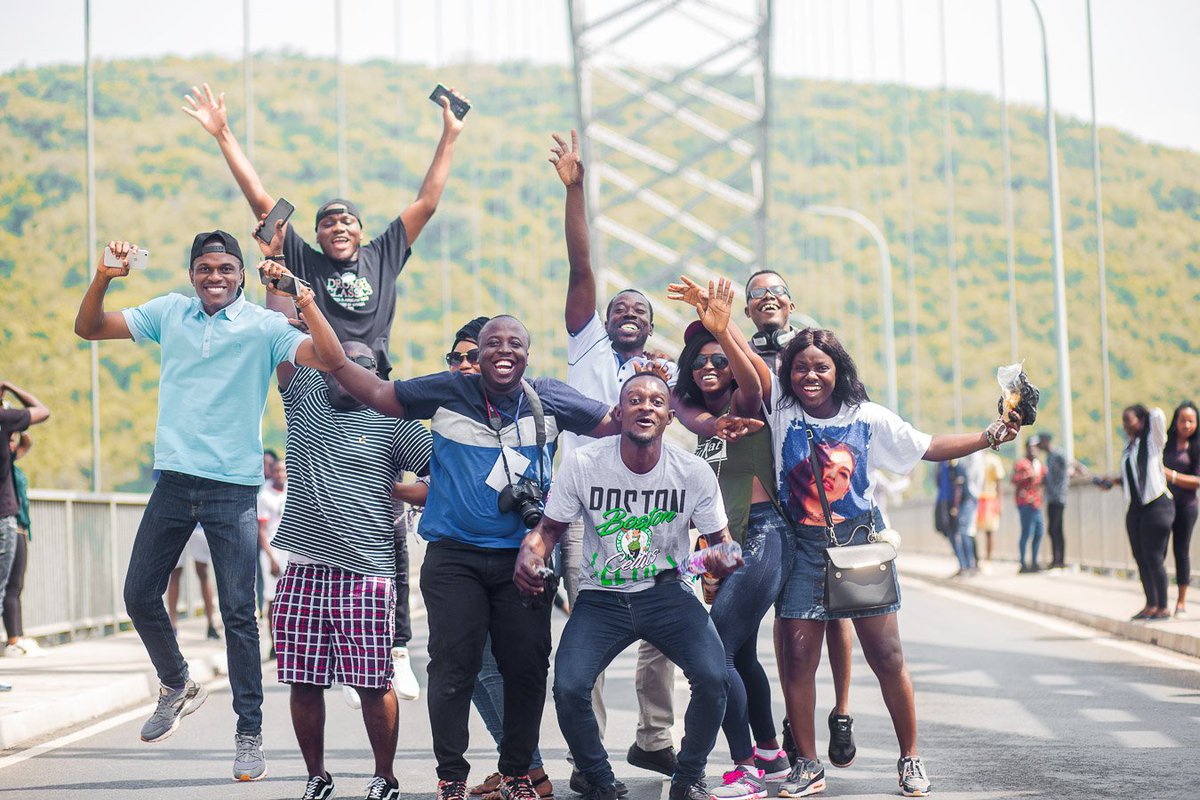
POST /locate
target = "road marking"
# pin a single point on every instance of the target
(1144, 739)
(1054, 680)
(1093, 635)
(92, 730)
(1108, 715)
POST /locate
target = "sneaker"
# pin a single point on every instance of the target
(212, 634)
(518, 787)
(741, 783)
(380, 789)
(173, 706)
(789, 744)
(841, 740)
(600, 793)
(404, 681)
(773, 768)
(452, 790)
(5, 687)
(807, 777)
(580, 785)
(696, 790)
(318, 788)
(913, 780)
(27, 648)
(249, 764)
(350, 695)
(654, 760)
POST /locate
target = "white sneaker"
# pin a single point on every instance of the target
(350, 695)
(32, 648)
(403, 679)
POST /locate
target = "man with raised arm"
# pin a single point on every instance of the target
(218, 353)
(354, 284)
(601, 354)
(493, 446)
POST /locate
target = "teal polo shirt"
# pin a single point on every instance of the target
(215, 373)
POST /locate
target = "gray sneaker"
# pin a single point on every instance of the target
(913, 780)
(807, 777)
(740, 783)
(173, 706)
(249, 764)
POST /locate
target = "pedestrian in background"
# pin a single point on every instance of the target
(987, 520)
(1058, 479)
(1181, 459)
(1028, 479)
(18, 645)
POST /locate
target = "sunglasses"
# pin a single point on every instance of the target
(455, 358)
(719, 361)
(366, 362)
(779, 290)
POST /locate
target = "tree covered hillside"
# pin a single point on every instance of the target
(496, 243)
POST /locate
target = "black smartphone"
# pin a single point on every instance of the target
(285, 284)
(282, 211)
(458, 106)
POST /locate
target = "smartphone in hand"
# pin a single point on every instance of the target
(286, 284)
(138, 259)
(458, 106)
(282, 211)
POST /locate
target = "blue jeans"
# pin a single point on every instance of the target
(488, 699)
(9, 533)
(742, 602)
(602, 624)
(227, 511)
(963, 540)
(1032, 529)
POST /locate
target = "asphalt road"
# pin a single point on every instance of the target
(1010, 703)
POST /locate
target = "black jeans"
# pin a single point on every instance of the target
(16, 584)
(1181, 541)
(469, 593)
(1054, 522)
(1149, 528)
(403, 621)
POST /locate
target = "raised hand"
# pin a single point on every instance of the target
(731, 427)
(121, 250)
(566, 160)
(450, 123)
(272, 271)
(206, 109)
(688, 292)
(715, 313)
(276, 245)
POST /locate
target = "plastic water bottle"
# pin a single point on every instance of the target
(718, 556)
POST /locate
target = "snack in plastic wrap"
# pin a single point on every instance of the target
(1017, 394)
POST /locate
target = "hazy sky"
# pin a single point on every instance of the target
(1147, 57)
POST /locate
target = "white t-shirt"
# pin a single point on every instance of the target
(270, 511)
(852, 444)
(634, 525)
(595, 369)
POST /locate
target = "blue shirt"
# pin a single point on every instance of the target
(215, 373)
(461, 506)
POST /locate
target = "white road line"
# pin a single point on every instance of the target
(1093, 635)
(92, 730)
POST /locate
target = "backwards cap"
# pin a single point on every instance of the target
(215, 242)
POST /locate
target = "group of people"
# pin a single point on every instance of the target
(771, 412)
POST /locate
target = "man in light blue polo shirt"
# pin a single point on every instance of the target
(219, 353)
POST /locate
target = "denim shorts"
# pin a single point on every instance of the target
(803, 592)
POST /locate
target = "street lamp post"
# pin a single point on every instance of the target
(1103, 277)
(951, 259)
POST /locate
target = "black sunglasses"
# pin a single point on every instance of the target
(719, 361)
(779, 290)
(454, 358)
(366, 362)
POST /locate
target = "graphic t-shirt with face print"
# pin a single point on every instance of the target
(634, 526)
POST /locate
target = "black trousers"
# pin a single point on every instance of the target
(1149, 528)
(469, 593)
(16, 583)
(403, 619)
(1054, 522)
(1181, 541)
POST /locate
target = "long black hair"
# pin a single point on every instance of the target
(1143, 449)
(847, 387)
(685, 385)
(1193, 446)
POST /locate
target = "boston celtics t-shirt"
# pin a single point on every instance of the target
(634, 525)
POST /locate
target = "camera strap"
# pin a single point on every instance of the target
(539, 420)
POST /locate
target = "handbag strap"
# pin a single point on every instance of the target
(817, 479)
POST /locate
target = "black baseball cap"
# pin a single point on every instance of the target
(337, 206)
(215, 242)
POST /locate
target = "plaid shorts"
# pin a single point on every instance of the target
(332, 625)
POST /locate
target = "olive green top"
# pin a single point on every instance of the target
(736, 464)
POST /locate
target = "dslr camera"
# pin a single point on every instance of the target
(523, 498)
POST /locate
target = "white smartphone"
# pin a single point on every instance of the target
(138, 259)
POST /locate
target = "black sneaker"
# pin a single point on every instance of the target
(697, 790)
(841, 740)
(318, 788)
(580, 785)
(452, 790)
(789, 744)
(380, 789)
(654, 760)
(212, 634)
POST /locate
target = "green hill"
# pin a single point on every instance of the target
(496, 242)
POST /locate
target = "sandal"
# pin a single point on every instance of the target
(490, 785)
(548, 794)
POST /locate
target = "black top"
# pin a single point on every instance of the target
(1181, 462)
(357, 297)
(12, 420)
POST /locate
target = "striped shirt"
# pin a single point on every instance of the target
(341, 466)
